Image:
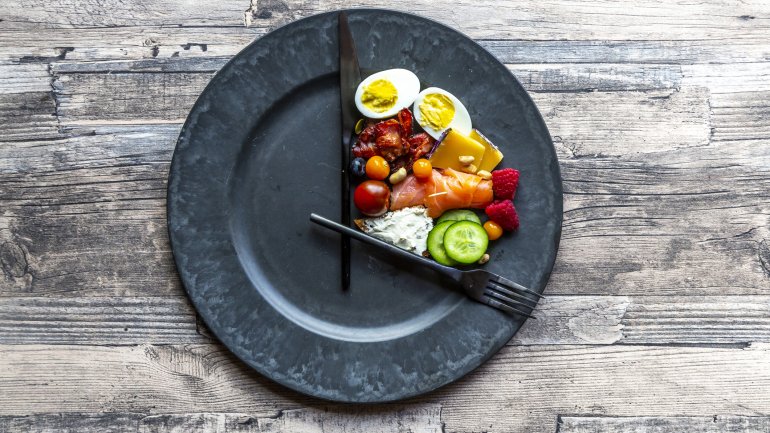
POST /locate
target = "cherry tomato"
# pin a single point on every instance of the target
(377, 168)
(372, 197)
(422, 169)
(494, 231)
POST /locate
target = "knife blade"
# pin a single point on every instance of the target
(350, 77)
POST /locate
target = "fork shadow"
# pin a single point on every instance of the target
(419, 273)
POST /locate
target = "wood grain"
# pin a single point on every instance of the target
(28, 116)
(672, 320)
(656, 232)
(140, 41)
(98, 320)
(85, 92)
(423, 420)
(144, 41)
(562, 320)
(529, 384)
(635, 20)
(702, 424)
(130, 423)
(732, 112)
(90, 97)
(71, 422)
(417, 419)
(396, 420)
(24, 78)
(625, 124)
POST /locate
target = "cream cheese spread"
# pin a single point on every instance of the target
(406, 228)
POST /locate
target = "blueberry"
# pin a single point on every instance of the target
(358, 167)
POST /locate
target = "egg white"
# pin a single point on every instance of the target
(461, 122)
(407, 87)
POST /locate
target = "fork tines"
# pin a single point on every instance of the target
(506, 282)
(489, 299)
(509, 296)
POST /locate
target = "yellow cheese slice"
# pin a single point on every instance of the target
(452, 147)
(492, 155)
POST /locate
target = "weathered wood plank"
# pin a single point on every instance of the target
(650, 424)
(634, 381)
(98, 320)
(520, 382)
(166, 97)
(693, 320)
(611, 124)
(98, 225)
(28, 42)
(118, 147)
(576, 320)
(421, 420)
(631, 226)
(636, 20)
(111, 13)
(24, 78)
(200, 422)
(28, 116)
(387, 419)
(182, 64)
(683, 52)
(562, 320)
(595, 123)
(72, 423)
(88, 252)
(740, 116)
(582, 76)
(130, 423)
(743, 77)
(88, 96)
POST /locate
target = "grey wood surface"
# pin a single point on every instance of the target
(659, 314)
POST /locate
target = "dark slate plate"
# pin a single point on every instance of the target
(259, 153)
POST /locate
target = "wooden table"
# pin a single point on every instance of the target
(659, 311)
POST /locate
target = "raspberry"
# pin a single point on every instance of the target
(504, 183)
(503, 213)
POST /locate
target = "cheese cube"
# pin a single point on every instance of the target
(492, 155)
(452, 147)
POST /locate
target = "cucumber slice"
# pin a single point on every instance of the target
(436, 243)
(459, 215)
(466, 242)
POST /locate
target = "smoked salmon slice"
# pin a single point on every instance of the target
(446, 189)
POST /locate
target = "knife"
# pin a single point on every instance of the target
(350, 77)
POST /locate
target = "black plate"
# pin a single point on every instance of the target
(260, 151)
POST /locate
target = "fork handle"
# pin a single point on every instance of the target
(452, 273)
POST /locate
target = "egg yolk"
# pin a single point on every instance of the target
(379, 96)
(436, 111)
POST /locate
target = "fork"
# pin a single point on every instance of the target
(480, 285)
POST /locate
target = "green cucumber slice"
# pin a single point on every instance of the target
(465, 241)
(436, 243)
(459, 215)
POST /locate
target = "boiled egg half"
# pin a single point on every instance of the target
(437, 110)
(385, 93)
